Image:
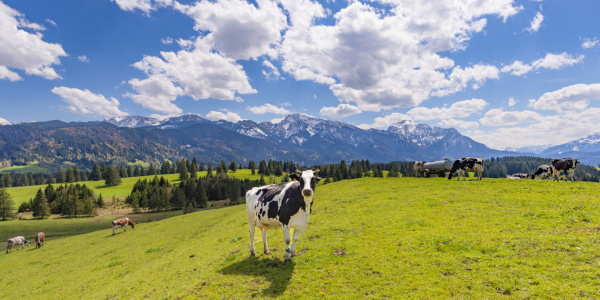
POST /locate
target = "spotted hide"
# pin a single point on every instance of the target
(464, 164)
(284, 206)
(122, 223)
(543, 171)
(566, 165)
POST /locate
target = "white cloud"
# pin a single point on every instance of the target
(198, 72)
(227, 116)
(382, 122)
(268, 108)
(499, 117)
(550, 61)
(388, 57)
(144, 5)
(512, 102)
(273, 73)
(167, 41)
(83, 58)
(460, 109)
(51, 22)
(536, 23)
(238, 29)
(589, 43)
(86, 102)
(341, 111)
(277, 120)
(26, 51)
(568, 99)
(458, 123)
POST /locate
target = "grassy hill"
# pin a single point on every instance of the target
(367, 238)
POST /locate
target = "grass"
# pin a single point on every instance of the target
(30, 168)
(367, 238)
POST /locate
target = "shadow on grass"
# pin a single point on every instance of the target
(274, 270)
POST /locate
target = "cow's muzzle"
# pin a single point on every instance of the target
(307, 192)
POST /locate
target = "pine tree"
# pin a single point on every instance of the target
(40, 206)
(252, 167)
(234, 191)
(209, 170)
(182, 170)
(6, 205)
(194, 169)
(201, 198)
(233, 166)
(100, 201)
(113, 178)
(178, 199)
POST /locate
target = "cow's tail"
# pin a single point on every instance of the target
(455, 167)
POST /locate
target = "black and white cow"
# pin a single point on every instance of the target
(466, 164)
(543, 171)
(566, 165)
(517, 176)
(285, 206)
(419, 168)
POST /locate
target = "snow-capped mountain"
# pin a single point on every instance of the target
(4, 122)
(133, 121)
(419, 133)
(590, 143)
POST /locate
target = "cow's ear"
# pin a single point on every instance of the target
(293, 176)
(317, 178)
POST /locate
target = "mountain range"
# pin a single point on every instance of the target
(299, 138)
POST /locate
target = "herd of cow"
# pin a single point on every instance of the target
(565, 165)
(288, 205)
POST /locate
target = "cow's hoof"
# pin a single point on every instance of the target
(268, 252)
(288, 259)
(252, 254)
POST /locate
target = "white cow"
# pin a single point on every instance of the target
(16, 241)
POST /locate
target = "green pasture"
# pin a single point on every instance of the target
(30, 168)
(367, 238)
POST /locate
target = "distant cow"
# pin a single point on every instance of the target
(286, 205)
(543, 171)
(517, 176)
(466, 164)
(39, 240)
(122, 223)
(419, 168)
(566, 165)
(16, 241)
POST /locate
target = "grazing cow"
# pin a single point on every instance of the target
(419, 168)
(466, 164)
(517, 176)
(16, 241)
(285, 206)
(543, 171)
(39, 240)
(122, 223)
(566, 165)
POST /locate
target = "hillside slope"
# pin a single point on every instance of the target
(370, 237)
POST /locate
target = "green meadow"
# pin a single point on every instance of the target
(367, 238)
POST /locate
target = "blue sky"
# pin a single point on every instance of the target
(506, 73)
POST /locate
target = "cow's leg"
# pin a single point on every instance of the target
(252, 229)
(572, 174)
(287, 240)
(264, 237)
(297, 233)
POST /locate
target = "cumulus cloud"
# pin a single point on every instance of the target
(23, 50)
(227, 116)
(550, 61)
(273, 73)
(512, 102)
(460, 109)
(458, 123)
(589, 43)
(499, 117)
(167, 41)
(268, 108)
(83, 58)
(382, 122)
(568, 99)
(341, 111)
(389, 57)
(88, 103)
(237, 28)
(536, 23)
(197, 72)
(144, 5)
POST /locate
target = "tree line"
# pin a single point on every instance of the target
(69, 200)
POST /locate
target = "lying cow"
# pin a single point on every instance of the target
(543, 172)
(566, 165)
(517, 176)
(285, 206)
(39, 240)
(16, 241)
(122, 223)
(466, 164)
(419, 168)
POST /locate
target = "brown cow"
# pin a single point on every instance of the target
(39, 240)
(122, 223)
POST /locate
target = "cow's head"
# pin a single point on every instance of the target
(308, 181)
(26, 242)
